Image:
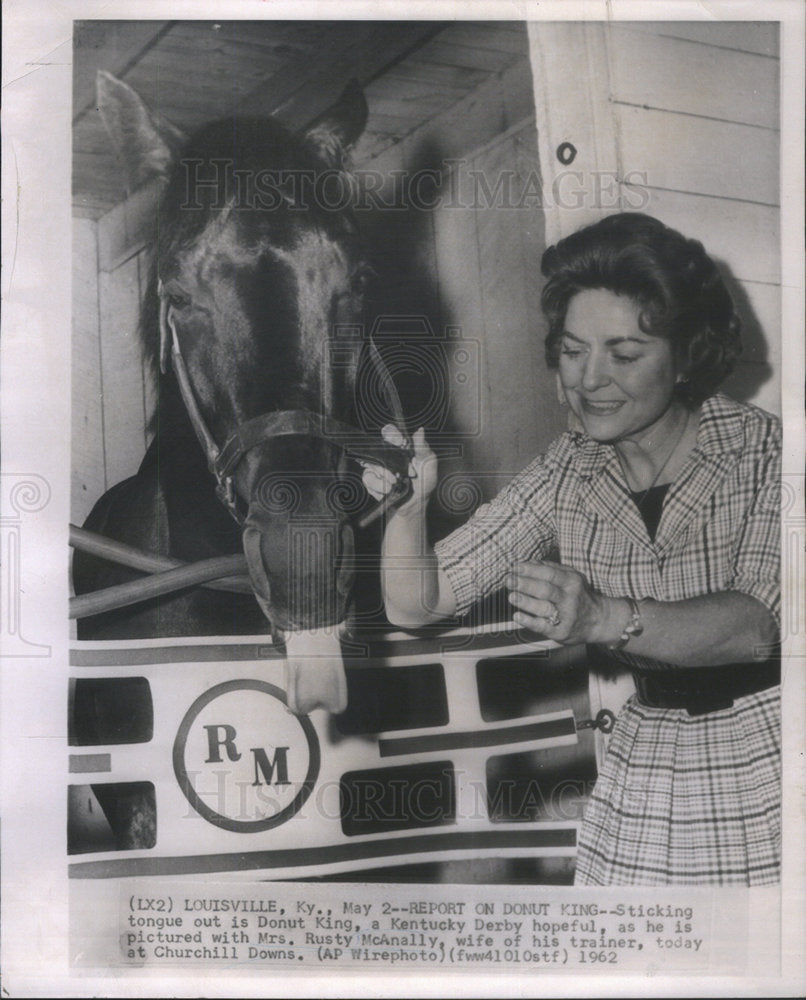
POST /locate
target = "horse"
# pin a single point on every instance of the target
(253, 317)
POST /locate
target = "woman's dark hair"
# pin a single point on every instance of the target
(677, 287)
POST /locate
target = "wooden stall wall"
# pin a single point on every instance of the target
(681, 120)
(112, 390)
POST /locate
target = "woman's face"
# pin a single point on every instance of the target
(618, 380)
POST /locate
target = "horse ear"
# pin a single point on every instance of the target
(339, 128)
(146, 143)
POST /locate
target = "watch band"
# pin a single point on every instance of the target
(633, 627)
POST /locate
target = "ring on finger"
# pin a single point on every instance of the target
(555, 619)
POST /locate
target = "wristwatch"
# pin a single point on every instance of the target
(633, 627)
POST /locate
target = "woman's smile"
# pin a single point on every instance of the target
(599, 407)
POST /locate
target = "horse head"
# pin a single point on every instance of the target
(255, 306)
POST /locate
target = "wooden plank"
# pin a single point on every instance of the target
(121, 366)
(253, 53)
(411, 87)
(181, 97)
(673, 74)
(88, 211)
(499, 36)
(129, 227)
(109, 45)
(683, 153)
(466, 126)
(572, 109)
(360, 50)
(97, 176)
(88, 480)
(744, 235)
(441, 50)
(386, 124)
(287, 37)
(413, 108)
(374, 143)
(421, 71)
(761, 37)
(93, 185)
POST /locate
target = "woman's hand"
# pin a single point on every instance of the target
(558, 602)
(422, 470)
(415, 590)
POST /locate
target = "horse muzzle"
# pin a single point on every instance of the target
(301, 572)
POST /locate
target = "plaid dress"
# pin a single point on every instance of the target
(680, 799)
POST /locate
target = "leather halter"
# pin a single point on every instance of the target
(353, 442)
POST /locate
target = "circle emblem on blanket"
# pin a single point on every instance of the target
(243, 761)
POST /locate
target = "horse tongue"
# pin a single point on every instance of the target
(314, 671)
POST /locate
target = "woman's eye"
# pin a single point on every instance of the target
(569, 352)
(626, 359)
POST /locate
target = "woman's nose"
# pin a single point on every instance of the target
(595, 374)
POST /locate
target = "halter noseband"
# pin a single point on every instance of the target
(353, 442)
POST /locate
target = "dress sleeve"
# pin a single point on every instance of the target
(757, 557)
(518, 524)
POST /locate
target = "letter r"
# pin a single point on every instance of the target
(215, 742)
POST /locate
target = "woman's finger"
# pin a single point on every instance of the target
(392, 435)
(542, 570)
(420, 444)
(543, 625)
(377, 480)
(533, 587)
(537, 607)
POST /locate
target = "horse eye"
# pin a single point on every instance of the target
(360, 279)
(178, 301)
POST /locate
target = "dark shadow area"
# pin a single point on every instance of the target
(405, 797)
(752, 369)
(405, 312)
(385, 699)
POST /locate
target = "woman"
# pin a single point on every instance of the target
(663, 508)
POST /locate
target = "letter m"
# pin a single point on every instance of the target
(266, 767)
